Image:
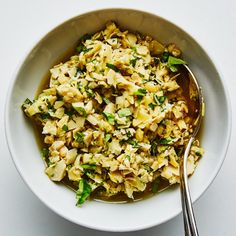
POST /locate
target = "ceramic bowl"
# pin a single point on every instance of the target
(99, 215)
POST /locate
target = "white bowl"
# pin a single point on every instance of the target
(106, 216)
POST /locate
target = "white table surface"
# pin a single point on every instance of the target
(23, 22)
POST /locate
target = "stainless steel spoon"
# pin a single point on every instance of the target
(188, 214)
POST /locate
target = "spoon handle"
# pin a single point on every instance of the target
(188, 214)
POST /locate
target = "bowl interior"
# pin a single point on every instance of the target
(25, 151)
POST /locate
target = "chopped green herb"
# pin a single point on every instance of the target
(113, 67)
(27, 101)
(134, 143)
(78, 72)
(40, 108)
(141, 75)
(45, 152)
(179, 151)
(124, 112)
(65, 128)
(198, 154)
(152, 106)
(85, 37)
(79, 137)
(153, 149)
(106, 100)
(139, 99)
(89, 92)
(82, 48)
(107, 137)
(133, 61)
(45, 115)
(128, 133)
(165, 56)
(80, 110)
(175, 61)
(70, 112)
(83, 192)
(141, 92)
(155, 185)
(159, 99)
(89, 166)
(127, 157)
(156, 60)
(173, 68)
(165, 141)
(110, 118)
(134, 49)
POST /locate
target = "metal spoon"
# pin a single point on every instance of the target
(188, 214)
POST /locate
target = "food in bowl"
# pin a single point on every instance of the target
(114, 117)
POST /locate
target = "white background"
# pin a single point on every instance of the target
(22, 23)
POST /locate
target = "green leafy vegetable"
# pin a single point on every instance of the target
(156, 60)
(155, 185)
(134, 143)
(89, 166)
(153, 149)
(89, 92)
(124, 112)
(141, 92)
(110, 118)
(106, 100)
(159, 99)
(45, 115)
(80, 110)
(27, 101)
(127, 157)
(134, 49)
(179, 151)
(198, 154)
(79, 137)
(83, 192)
(65, 127)
(139, 99)
(82, 48)
(45, 152)
(165, 56)
(133, 61)
(85, 37)
(141, 75)
(107, 137)
(173, 68)
(113, 67)
(70, 112)
(152, 106)
(165, 141)
(175, 61)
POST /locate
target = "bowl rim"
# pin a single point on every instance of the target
(7, 114)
